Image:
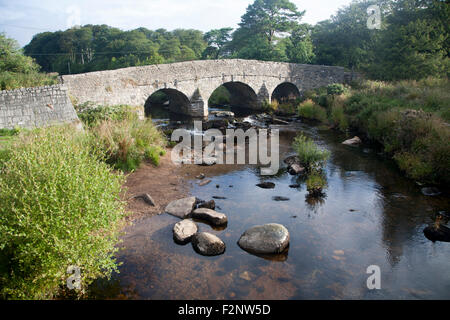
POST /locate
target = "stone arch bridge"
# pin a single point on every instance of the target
(188, 85)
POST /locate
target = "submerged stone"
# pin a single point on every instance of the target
(207, 244)
(266, 239)
(266, 185)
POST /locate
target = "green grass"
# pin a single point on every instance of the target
(128, 142)
(310, 155)
(310, 110)
(13, 80)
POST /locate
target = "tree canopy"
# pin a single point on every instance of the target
(412, 41)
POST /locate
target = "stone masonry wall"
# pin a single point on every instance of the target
(196, 80)
(36, 107)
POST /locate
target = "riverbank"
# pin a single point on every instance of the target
(409, 120)
(163, 184)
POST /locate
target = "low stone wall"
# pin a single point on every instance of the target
(36, 107)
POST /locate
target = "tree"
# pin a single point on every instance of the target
(264, 23)
(416, 42)
(12, 58)
(217, 41)
(345, 40)
(299, 47)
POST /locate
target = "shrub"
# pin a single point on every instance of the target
(315, 183)
(308, 109)
(336, 89)
(60, 207)
(126, 143)
(338, 118)
(92, 115)
(15, 80)
(310, 155)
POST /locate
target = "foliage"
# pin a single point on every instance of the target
(217, 41)
(127, 142)
(18, 70)
(308, 109)
(92, 115)
(335, 89)
(220, 97)
(60, 207)
(407, 118)
(100, 47)
(261, 26)
(315, 183)
(310, 155)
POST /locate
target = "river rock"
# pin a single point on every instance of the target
(266, 239)
(279, 198)
(147, 198)
(204, 183)
(431, 191)
(207, 244)
(433, 233)
(223, 114)
(295, 169)
(292, 160)
(181, 208)
(207, 204)
(201, 176)
(353, 141)
(266, 185)
(184, 230)
(209, 215)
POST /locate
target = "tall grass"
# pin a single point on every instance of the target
(127, 142)
(13, 80)
(310, 110)
(310, 155)
(60, 207)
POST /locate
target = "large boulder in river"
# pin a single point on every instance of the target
(209, 215)
(223, 114)
(353, 141)
(207, 244)
(266, 239)
(184, 230)
(181, 208)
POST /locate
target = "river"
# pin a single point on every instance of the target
(371, 215)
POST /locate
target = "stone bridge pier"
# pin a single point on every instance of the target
(189, 85)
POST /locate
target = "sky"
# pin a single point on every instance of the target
(21, 19)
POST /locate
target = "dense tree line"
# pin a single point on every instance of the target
(412, 41)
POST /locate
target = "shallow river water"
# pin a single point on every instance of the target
(371, 215)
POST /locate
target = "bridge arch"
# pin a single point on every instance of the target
(285, 92)
(175, 101)
(241, 95)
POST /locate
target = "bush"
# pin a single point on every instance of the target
(315, 183)
(92, 115)
(60, 207)
(310, 155)
(336, 89)
(14, 80)
(308, 109)
(126, 143)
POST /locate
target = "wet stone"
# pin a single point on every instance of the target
(207, 244)
(211, 216)
(181, 208)
(266, 185)
(265, 239)
(184, 230)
